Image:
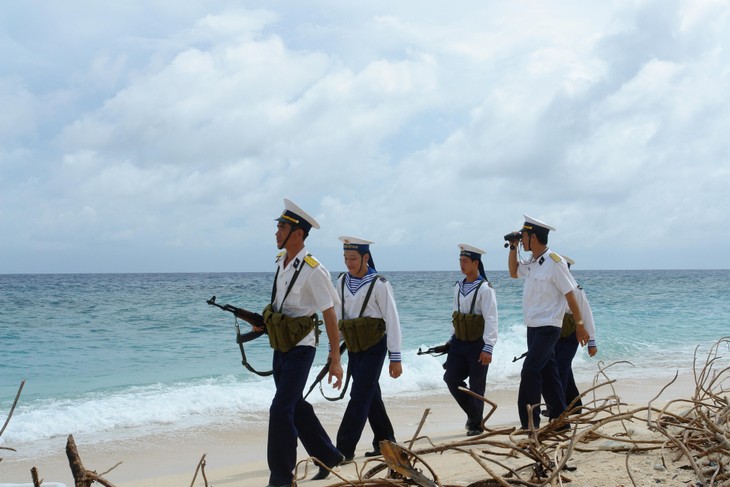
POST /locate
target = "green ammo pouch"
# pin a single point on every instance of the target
(285, 332)
(362, 333)
(568, 326)
(468, 327)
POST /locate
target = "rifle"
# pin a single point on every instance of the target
(515, 359)
(253, 319)
(323, 372)
(436, 351)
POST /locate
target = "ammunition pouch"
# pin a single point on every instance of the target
(362, 333)
(468, 327)
(568, 326)
(284, 331)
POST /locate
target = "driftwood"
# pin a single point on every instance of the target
(200, 468)
(10, 415)
(82, 476)
(697, 437)
(34, 476)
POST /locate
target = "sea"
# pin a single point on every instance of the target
(126, 355)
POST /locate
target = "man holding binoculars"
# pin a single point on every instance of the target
(548, 286)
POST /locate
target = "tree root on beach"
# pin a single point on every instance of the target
(691, 434)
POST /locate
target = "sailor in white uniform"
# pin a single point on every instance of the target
(302, 289)
(548, 286)
(474, 336)
(369, 323)
(568, 344)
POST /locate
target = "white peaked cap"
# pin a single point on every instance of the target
(293, 215)
(569, 260)
(354, 240)
(472, 249)
(537, 223)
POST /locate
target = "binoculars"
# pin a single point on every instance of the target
(511, 237)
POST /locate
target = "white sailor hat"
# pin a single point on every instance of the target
(354, 243)
(294, 215)
(360, 245)
(470, 251)
(534, 225)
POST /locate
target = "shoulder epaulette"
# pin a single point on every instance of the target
(382, 278)
(555, 257)
(279, 255)
(311, 261)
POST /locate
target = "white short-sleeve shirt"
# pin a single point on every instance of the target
(547, 281)
(312, 292)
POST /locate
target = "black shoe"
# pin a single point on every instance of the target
(474, 432)
(374, 453)
(473, 425)
(324, 473)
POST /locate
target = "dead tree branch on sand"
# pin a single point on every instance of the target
(200, 468)
(695, 430)
(10, 415)
(82, 476)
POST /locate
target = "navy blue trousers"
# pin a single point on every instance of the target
(565, 351)
(366, 401)
(462, 362)
(290, 416)
(539, 375)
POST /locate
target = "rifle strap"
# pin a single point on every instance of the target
(362, 310)
(289, 288)
(364, 303)
(473, 300)
(273, 296)
(344, 387)
(244, 360)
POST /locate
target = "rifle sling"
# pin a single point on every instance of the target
(362, 310)
(244, 360)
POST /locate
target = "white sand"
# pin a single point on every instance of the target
(236, 454)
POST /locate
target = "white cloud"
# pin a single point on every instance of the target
(414, 125)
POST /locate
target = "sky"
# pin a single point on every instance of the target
(163, 136)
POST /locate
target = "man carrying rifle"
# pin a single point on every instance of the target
(470, 348)
(302, 288)
(370, 326)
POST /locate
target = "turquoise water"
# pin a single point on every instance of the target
(134, 352)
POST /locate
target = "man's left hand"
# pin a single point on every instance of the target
(395, 369)
(485, 358)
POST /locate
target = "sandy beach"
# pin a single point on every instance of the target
(236, 453)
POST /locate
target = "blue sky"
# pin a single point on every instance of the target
(162, 136)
